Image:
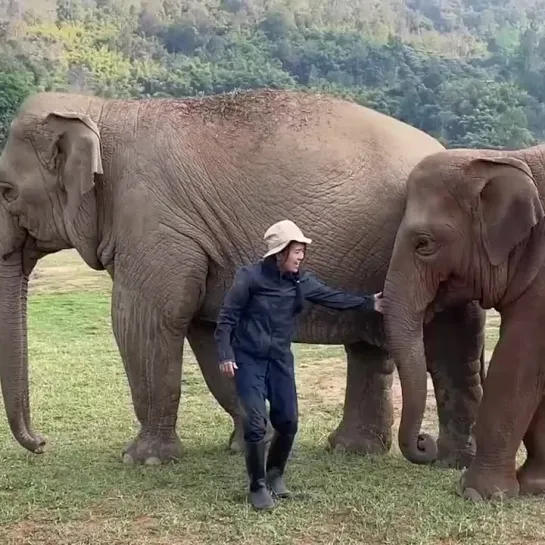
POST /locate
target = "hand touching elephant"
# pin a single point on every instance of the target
(170, 197)
(474, 229)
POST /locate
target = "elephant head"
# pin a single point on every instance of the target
(47, 203)
(471, 217)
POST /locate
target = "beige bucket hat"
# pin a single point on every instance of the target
(279, 235)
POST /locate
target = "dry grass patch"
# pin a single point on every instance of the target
(66, 272)
(93, 531)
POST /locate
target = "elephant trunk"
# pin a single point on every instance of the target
(404, 330)
(14, 357)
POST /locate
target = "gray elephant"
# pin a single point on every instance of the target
(474, 229)
(170, 196)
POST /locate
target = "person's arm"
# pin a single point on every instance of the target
(229, 315)
(318, 293)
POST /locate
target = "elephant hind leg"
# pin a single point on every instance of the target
(366, 426)
(201, 339)
(152, 307)
(531, 475)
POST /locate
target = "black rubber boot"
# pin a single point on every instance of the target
(279, 452)
(259, 495)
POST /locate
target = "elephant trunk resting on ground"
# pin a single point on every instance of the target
(170, 196)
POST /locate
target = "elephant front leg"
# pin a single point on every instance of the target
(512, 393)
(366, 426)
(454, 343)
(201, 339)
(152, 356)
(531, 476)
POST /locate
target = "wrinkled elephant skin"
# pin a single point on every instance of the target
(473, 230)
(170, 196)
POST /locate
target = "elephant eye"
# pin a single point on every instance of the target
(10, 195)
(424, 244)
(8, 192)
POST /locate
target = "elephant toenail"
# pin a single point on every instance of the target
(472, 494)
(152, 461)
(127, 459)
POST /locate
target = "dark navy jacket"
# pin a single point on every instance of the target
(259, 311)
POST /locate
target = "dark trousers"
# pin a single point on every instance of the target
(258, 380)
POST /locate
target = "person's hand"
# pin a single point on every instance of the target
(379, 298)
(228, 368)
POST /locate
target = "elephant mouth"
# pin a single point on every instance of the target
(439, 303)
(29, 254)
(429, 314)
(23, 241)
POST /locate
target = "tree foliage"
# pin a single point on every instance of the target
(470, 73)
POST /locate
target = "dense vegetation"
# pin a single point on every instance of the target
(470, 72)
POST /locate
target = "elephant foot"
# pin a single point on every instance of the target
(460, 459)
(531, 478)
(452, 455)
(236, 439)
(486, 486)
(363, 441)
(152, 449)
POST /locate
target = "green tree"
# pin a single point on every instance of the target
(470, 72)
(15, 85)
(485, 114)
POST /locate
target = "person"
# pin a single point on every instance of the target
(253, 336)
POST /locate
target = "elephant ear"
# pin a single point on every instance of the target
(508, 204)
(79, 142)
(79, 159)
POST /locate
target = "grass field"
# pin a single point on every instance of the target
(79, 492)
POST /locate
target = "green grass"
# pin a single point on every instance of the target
(79, 492)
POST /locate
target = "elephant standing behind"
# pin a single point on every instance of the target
(170, 196)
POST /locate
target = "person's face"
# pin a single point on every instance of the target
(292, 257)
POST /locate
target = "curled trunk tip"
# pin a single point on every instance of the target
(426, 449)
(404, 328)
(27, 438)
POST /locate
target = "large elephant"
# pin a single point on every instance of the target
(170, 196)
(474, 229)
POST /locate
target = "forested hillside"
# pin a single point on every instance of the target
(471, 72)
